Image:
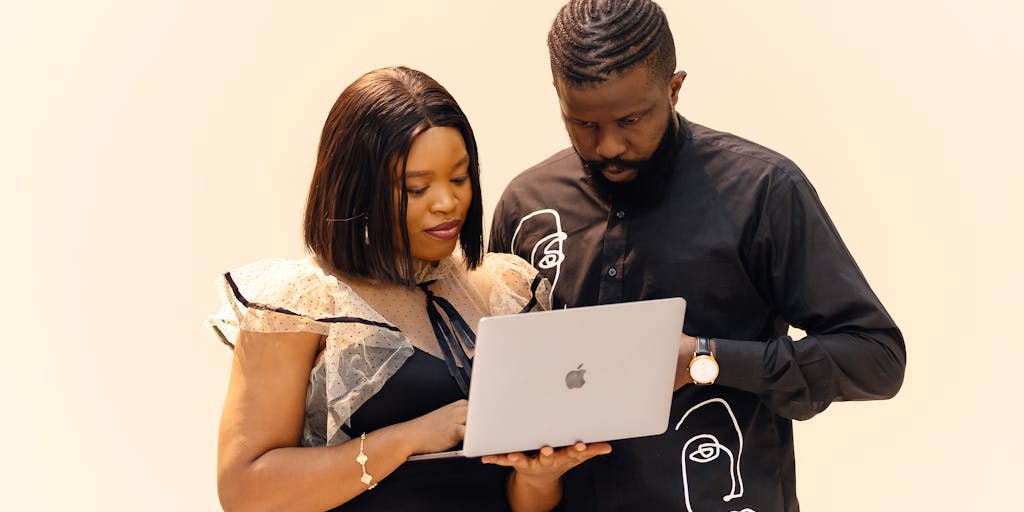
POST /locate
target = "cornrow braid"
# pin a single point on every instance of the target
(591, 39)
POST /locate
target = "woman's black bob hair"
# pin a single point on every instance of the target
(351, 222)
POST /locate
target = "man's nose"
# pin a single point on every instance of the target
(610, 144)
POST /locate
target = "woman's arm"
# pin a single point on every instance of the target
(536, 483)
(260, 465)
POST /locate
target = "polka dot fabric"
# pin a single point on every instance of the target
(363, 349)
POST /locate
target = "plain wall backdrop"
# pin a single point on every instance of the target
(146, 147)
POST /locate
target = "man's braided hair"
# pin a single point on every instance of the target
(591, 39)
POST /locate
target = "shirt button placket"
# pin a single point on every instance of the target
(613, 255)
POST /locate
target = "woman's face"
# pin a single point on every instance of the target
(439, 191)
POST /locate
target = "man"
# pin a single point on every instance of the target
(646, 205)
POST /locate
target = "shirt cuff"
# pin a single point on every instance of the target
(740, 364)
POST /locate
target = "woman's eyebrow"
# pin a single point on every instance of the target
(415, 174)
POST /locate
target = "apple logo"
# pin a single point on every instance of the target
(574, 379)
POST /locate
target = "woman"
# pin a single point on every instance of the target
(348, 362)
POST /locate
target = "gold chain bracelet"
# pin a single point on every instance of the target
(361, 459)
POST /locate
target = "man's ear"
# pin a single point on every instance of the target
(675, 84)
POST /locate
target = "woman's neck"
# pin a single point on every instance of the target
(421, 265)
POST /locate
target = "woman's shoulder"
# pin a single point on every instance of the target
(276, 295)
(507, 267)
(297, 285)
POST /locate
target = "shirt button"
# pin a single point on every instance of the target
(612, 272)
(620, 214)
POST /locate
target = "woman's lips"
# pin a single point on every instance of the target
(445, 231)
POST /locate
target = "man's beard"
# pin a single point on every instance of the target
(652, 174)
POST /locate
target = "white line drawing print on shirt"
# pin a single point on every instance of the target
(709, 448)
(550, 246)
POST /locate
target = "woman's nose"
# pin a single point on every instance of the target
(444, 199)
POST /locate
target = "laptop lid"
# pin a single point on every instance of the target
(590, 374)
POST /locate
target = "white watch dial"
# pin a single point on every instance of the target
(703, 370)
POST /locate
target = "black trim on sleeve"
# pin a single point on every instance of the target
(533, 294)
(333, 319)
(222, 337)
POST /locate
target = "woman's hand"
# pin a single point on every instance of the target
(536, 482)
(438, 430)
(549, 464)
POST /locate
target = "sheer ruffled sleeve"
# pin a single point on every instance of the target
(271, 295)
(362, 350)
(516, 286)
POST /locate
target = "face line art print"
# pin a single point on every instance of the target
(709, 450)
(551, 256)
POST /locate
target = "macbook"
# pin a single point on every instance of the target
(595, 373)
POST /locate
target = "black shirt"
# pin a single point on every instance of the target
(739, 232)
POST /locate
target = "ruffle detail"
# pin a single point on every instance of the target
(513, 284)
(443, 269)
(362, 350)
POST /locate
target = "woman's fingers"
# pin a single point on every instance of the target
(549, 459)
(546, 457)
(582, 452)
(508, 459)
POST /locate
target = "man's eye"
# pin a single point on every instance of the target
(630, 120)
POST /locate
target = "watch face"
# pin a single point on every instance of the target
(703, 369)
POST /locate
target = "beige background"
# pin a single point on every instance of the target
(147, 146)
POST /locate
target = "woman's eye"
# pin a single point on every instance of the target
(415, 191)
(460, 180)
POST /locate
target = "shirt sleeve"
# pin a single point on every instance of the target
(853, 350)
(499, 239)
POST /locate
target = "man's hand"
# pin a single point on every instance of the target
(687, 346)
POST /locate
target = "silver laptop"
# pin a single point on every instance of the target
(590, 374)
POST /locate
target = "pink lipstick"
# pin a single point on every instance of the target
(445, 231)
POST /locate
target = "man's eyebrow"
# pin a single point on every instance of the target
(573, 118)
(635, 113)
(415, 174)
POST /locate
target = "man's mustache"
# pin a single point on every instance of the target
(618, 163)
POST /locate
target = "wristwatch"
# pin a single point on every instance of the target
(703, 366)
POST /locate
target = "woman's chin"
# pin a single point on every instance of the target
(435, 254)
